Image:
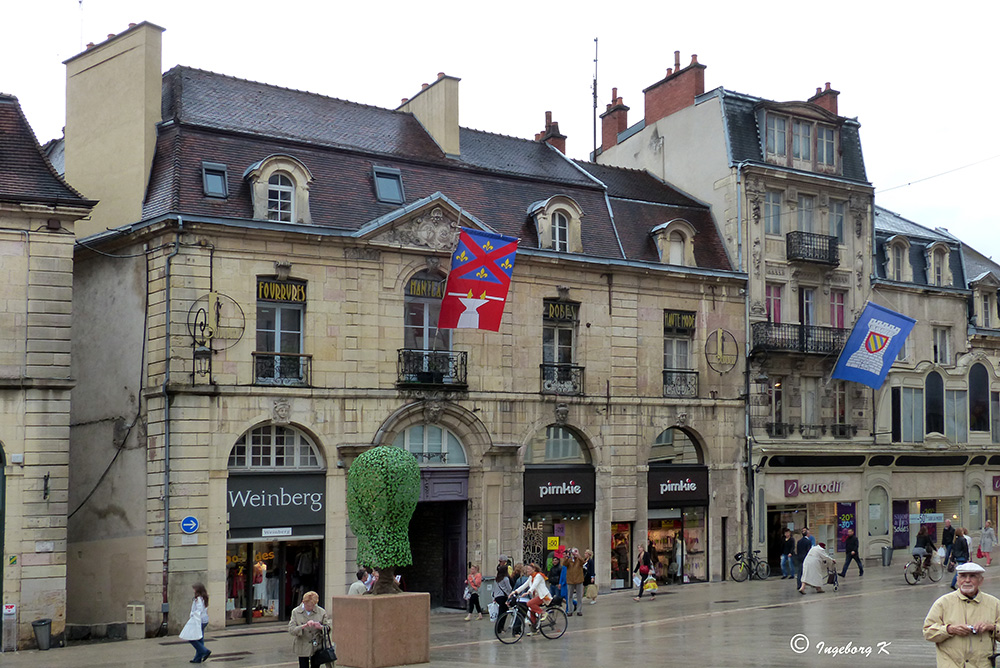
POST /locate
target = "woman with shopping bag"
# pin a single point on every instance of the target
(644, 569)
(194, 630)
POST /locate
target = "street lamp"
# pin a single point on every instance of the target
(202, 359)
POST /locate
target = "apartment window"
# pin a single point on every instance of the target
(908, 414)
(274, 447)
(772, 212)
(807, 204)
(773, 302)
(674, 446)
(801, 140)
(840, 410)
(897, 262)
(987, 307)
(560, 231)
(837, 214)
(956, 416)
(776, 135)
(775, 397)
(678, 335)
(810, 401)
(807, 306)
(388, 185)
(422, 305)
(676, 248)
(559, 324)
(556, 445)
(432, 445)
(940, 343)
(906, 350)
(979, 398)
(824, 146)
(838, 299)
(280, 191)
(934, 410)
(214, 179)
(280, 325)
(940, 258)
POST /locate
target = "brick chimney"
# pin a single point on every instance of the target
(551, 134)
(436, 107)
(613, 121)
(675, 92)
(826, 98)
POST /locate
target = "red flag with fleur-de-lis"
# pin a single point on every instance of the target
(476, 292)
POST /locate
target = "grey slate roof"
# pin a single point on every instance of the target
(744, 135)
(889, 224)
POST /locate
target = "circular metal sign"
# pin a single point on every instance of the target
(216, 317)
(721, 351)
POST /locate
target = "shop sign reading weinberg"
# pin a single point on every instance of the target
(285, 500)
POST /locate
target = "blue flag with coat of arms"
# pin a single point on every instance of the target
(873, 345)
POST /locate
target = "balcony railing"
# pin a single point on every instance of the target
(843, 430)
(564, 379)
(680, 383)
(798, 338)
(809, 247)
(447, 368)
(272, 368)
(779, 429)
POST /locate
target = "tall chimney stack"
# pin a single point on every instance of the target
(436, 107)
(826, 98)
(676, 91)
(551, 134)
(613, 121)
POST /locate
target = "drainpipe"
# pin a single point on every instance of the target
(165, 606)
(746, 356)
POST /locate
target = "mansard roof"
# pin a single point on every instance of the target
(219, 119)
(745, 141)
(890, 225)
(25, 173)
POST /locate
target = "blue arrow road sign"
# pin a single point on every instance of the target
(189, 524)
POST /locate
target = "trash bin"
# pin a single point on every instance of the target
(886, 556)
(43, 632)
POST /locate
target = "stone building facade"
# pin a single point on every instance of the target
(275, 305)
(38, 211)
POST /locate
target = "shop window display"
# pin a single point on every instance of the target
(678, 545)
(265, 580)
(621, 555)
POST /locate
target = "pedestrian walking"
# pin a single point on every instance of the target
(802, 547)
(815, 568)
(589, 576)
(309, 624)
(472, 584)
(644, 567)
(947, 540)
(851, 547)
(987, 541)
(358, 587)
(574, 581)
(959, 553)
(963, 623)
(194, 629)
(503, 586)
(787, 555)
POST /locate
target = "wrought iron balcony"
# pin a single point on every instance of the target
(680, 383)
(843, 430)
(271, 368)
(812, 339)
(447, 368)
(809, 247)
(779, 429)
(564, 379)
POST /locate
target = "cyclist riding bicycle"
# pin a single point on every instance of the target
(538, 591)
(924, 548)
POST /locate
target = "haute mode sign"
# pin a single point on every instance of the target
(566, 487)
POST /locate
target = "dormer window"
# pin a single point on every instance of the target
(279, 198)
(214, 179)
(824, 146)
(897, 266)
(776, 135)
(279, 189)
(801, 139)
(939, 266)
(388, 185)
(675, 242)
(557, 222)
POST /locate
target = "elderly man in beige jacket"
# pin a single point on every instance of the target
(963, 622)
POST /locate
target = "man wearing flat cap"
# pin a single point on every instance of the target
(964, 622)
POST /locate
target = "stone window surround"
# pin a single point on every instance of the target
(903, 243)
(260, 173)
(542, 213)
(661, 235)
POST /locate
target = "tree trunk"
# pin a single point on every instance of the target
(386, 583)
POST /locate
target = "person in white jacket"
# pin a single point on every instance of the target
(194, 630)
(538, 591)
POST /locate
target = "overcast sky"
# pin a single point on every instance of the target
(919, 76)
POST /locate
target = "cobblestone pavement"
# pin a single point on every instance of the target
(870, 621)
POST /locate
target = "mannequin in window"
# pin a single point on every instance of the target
(259, 586)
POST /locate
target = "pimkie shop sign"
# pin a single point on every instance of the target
(669, 486)
(559, 487)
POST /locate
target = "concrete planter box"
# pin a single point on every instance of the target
(380, 631)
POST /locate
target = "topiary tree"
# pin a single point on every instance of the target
(383, 486)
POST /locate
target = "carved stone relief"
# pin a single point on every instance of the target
(432, 411)
(431, 229)
(756, 257)
(282, 411)
(757, 308)
(562, 413)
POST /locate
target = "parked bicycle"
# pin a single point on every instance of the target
(915, 569)
(511, 625)
(749, 567)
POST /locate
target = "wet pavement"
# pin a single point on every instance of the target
(874, 620)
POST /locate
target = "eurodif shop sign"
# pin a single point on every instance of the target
(559, 487)
(258, 502)
(669, 486)
(795, 487)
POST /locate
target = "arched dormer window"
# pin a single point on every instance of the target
(279, 189)
(675, 242)
(557, 223)
(939, 265)
(897, 263)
